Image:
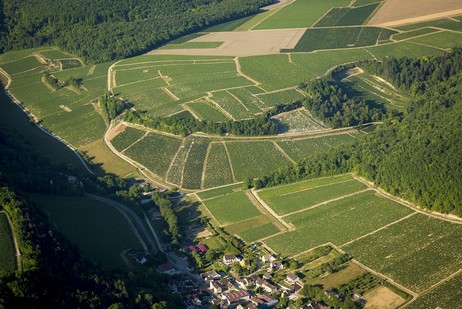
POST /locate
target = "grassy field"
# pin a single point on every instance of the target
(413, 33)
(192, 177)
(299, 149)
(127, 137)
(440, 23)
(212, 193)
(80, 220)
(301, 199)
(447, 295)
(337, 222)
(280, 97)
(206, 111)
(274, 71)
(7, 252)
(231, 208)
(55, 54)
(192, 45)
(417, 252)
(333, 38)
(299, 14)
(347, 16)
(217, 170)
(253, 229)
(444, 39)
(23, 64)
(402, 49)
(155, 152)
(253, 159)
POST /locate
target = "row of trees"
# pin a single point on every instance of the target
(416, 157)
(104, 30)
(169, 215)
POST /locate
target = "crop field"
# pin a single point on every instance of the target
(365, 2)
(70, 64)
(413, 33)
(298, 121)
(7, 250)
(417, 252)
(155, 151)
(299, 149)
(230, 25)
(80, 218)
(300, 14)
(138, 74)
(332, 38)
(272, 99)
(347, 16)
(18, 54)
(205, 110)
(232, 105)
(127, 137)
(192, 45)
(274, 71)
(440, 23)
(217, 169)
(443, 39)
(21, 65)
(248, 99)
(156, 101)
(54, 54)
(337, 222)
(231, 208)
(293, 201)
(253, 159)
(253, 229)
(192, 177)
(402, 49)
(175, 172)
(321, 61)
(212, 193)
(159, 59)
(447, 295)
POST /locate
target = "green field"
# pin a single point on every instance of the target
(206, 111)
(55, 54)
(337, 222)
(253, 159)
(332, 38)
(247, 97)
(299, 149)
(444, 39)
(7, 252)
(413, 33)
(231, 208)
(417, 252)
(175, 172)
(193, 166)
(212, 193)
(347, 16)
(402, 49)
(155, 152)
(21, 65)
(275, 71)
(447, 295)
(127, 137)
(300, 14)
(253, 229)
(217, 170)
(232, 105)
(81, 219)
(192, 45)
(292, 201)
(280, 97)
(440, 23)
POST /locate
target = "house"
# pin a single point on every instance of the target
(210, 276)
(225, 284)
(292, 278)
(236, 296)
(276, 265)
(268, 258)
(267, 276)
(202, 248)
(268, 287)
(315, 305)
(247, 305)
(245, 263)
(257, 301)
(268, 300)
(215, 287)
(230, 259)
(167, 268)
(297, 287)
(192, 249)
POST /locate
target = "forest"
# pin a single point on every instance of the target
(105, 30)
(416, 157)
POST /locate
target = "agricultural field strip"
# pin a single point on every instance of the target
(230, 162)
(263, 204)
(139, 81)
(442, 281)
(204, 167)
(439, 30)
(326, 202)
(284, 154)
(185, 160)
(427, 45)
(157, 63)
(174, 158)
(316, 187)
(139, 139)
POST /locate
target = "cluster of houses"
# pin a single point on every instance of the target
(254, 291)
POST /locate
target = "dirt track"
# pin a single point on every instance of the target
(400, 12)
(245, 43)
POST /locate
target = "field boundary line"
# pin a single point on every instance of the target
(229, 162)
(434, 286)
(327, 202)
(383, 193)
(170, 94)
(184, 163)
(239, 71)
(378, 230)
(208, 212)
(8, 78)
(221, 109)
(237, 99)
(91, 70)
(139, 82)
(111, 82)
(138, 140)
(440, 30)
(426, 45)
(289, 227)
(15, 241)
(319, 186)
(283, 153)
(281, 227)
(174, 158)
(188, 108)
(204, 167)
(164, 77)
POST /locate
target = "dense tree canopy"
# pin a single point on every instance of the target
(104, 30)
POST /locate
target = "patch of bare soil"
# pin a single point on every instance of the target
(245, 43)
(401, 12)
(65, 108)
(116, 131)
(382, 298)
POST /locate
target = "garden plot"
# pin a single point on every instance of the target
(417, 252)
(337, 222)
(231, 208)
(155, 152)
(217, 170)
(253, 159)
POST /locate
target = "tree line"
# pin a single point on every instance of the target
(416, 157)
(105, 30)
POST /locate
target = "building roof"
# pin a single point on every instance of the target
(202, 248)
(192, 249)
(292, 276)
(235, 296)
